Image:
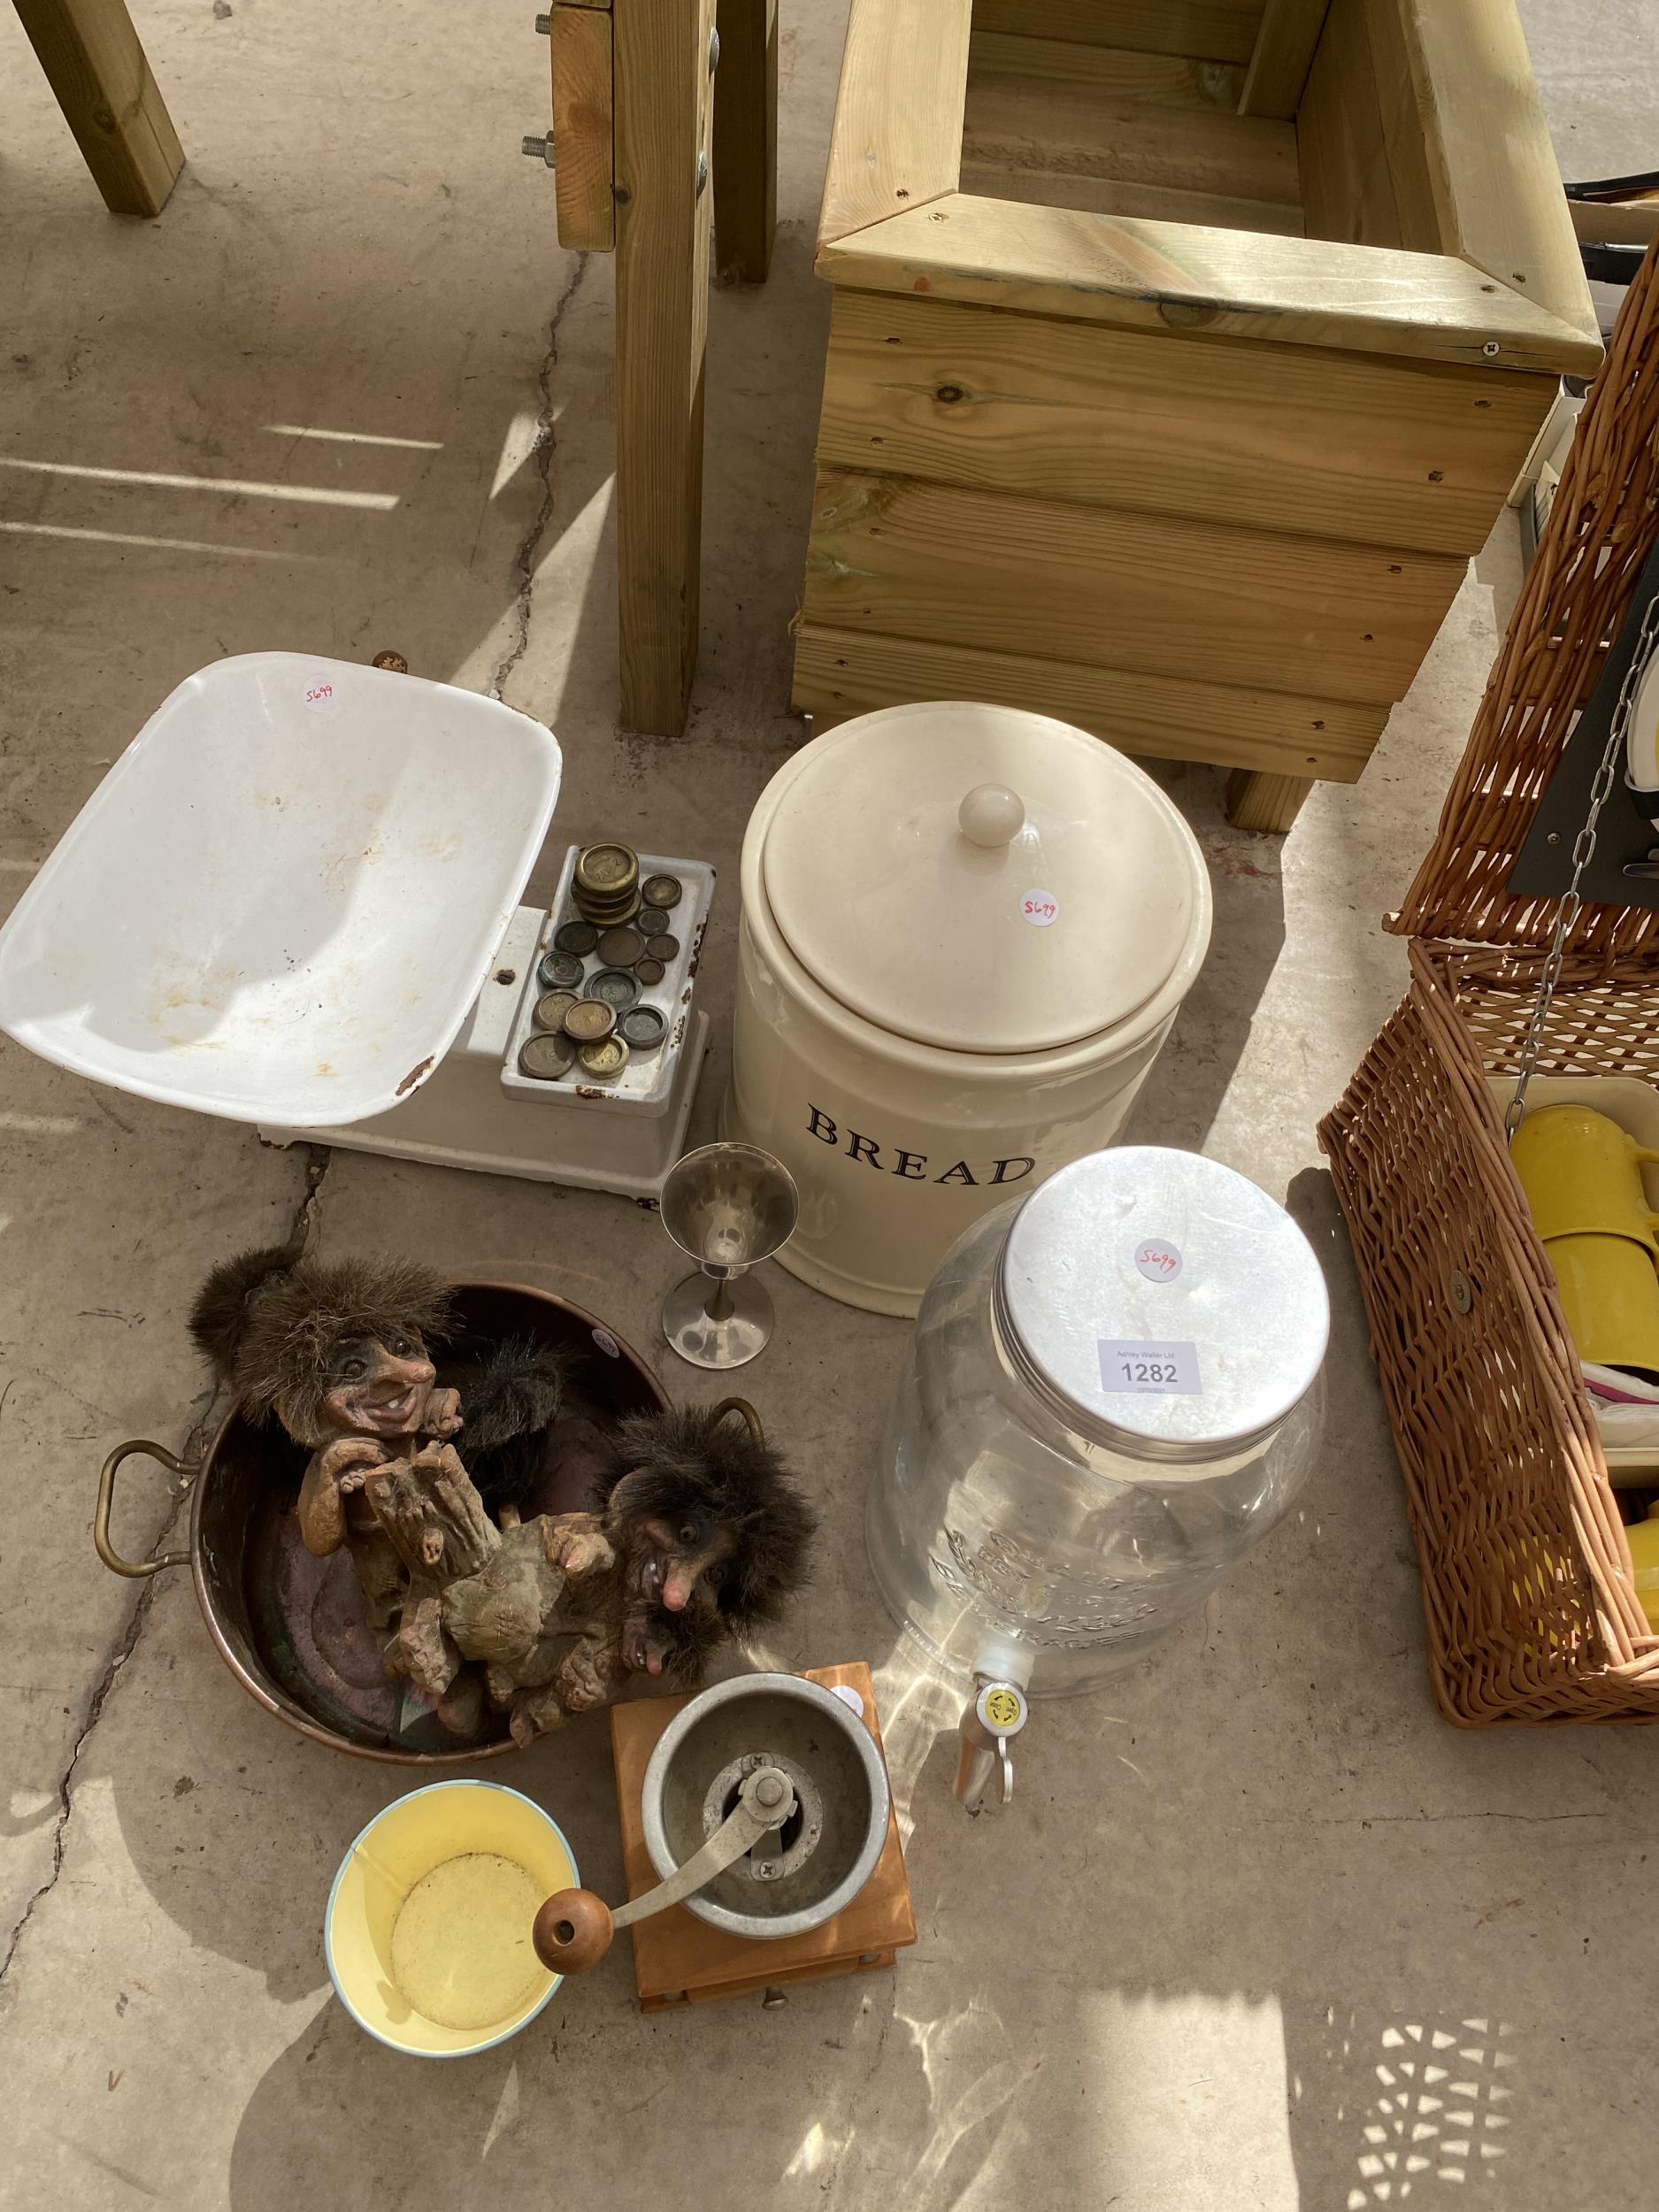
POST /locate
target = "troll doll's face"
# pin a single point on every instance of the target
(377, 1387)
(675, 1561)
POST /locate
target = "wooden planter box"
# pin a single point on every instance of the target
(1182, 353)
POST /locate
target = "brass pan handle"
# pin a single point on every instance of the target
(751, 1419)
(135, 1569)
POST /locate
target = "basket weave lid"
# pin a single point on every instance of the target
(1577, 598)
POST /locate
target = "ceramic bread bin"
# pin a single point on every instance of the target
(966, 931)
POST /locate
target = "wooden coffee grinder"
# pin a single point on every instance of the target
(760, 1842)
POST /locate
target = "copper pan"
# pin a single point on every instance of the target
(290, 1627)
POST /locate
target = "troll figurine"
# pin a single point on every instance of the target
(697, 1532)
(337, 1351)
(701, 1535)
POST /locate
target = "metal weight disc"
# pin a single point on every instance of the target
(607, 868)
(589, 1020)
(605, 1060)
(642, 1028)
(621, 948)
(547, 1058)
(559, 972)
(615, 986)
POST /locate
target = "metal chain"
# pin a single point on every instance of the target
(1583, 852)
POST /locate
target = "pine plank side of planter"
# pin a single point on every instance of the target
(1216, 430)
(842, 673)
(903, 558)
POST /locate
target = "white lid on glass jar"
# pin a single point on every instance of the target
(982, 878)
(1159, 1303)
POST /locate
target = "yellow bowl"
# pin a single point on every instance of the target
(398, 1849)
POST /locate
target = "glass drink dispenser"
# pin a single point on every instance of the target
(1114, 1393)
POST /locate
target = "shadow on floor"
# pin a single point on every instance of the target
(419, 518)
(1399, 2109)
(1183, 1093)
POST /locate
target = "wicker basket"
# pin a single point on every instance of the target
(1526, 1573)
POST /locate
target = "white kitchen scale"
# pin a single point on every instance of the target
(293, 902)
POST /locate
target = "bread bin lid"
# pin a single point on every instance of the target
(1159, 1303)
(980, 878)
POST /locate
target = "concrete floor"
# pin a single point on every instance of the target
(1262, 1931)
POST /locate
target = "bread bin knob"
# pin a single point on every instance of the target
(991, 815)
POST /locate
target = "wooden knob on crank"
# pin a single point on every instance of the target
(573, 1931)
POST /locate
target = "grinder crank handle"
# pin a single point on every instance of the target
(574, 1927)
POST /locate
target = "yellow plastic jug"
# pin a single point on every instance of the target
(1644, 1551)
(1610, 1294)
(1582, 1176)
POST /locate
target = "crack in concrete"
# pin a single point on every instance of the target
(1414, 1820)
(94, 1712)
(524, 560)
(319, 1160)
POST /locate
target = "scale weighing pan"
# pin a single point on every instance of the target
(282, 901)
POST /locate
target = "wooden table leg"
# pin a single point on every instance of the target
(746, 139)
(1258, 800)
(663, 100)
(96, 67)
